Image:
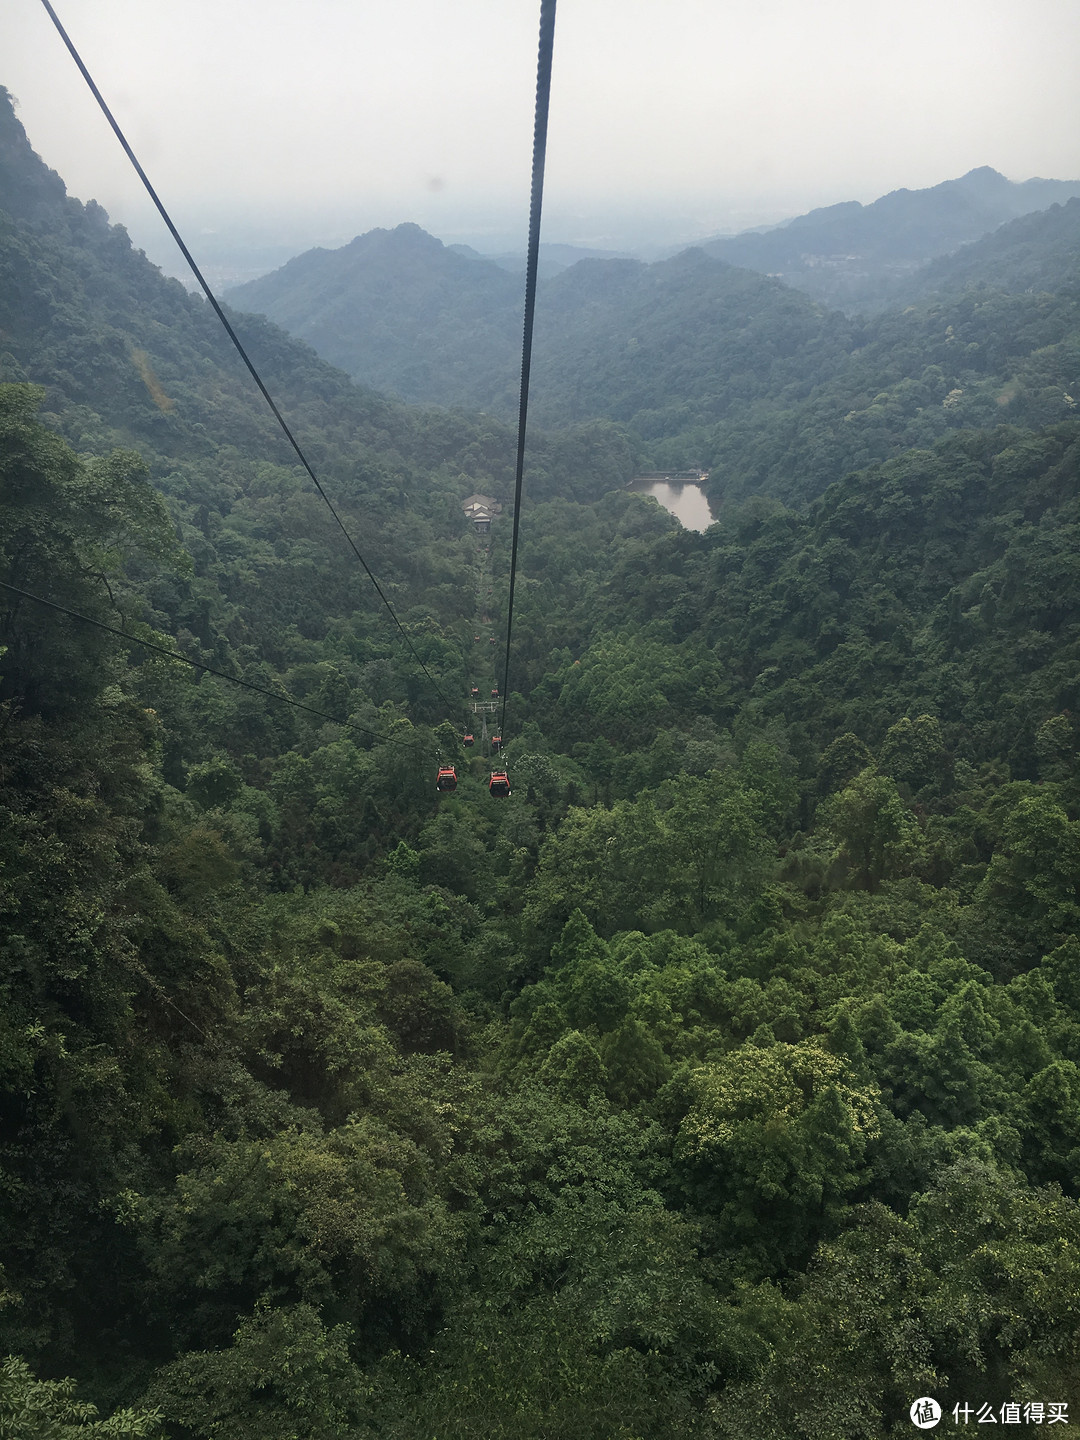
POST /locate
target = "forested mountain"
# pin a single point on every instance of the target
(703, 364)
(723, 1081)
(392, 308)
(1036, 252)
(847, 255)
(400, 311)
(128, 358)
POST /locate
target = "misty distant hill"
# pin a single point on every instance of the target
(1038, 252)
(618, 338)
(675, 343)
(441, 324)
(554, 257)
(397, 309)
(853, 255)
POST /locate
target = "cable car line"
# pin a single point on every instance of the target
(219, 312)
(196, 664)
(543, 87)
(543, 93)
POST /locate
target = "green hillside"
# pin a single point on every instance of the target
(723, 1081)
(1036, 252)
(702, 364)
(392, 307)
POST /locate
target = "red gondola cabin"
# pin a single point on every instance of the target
(446, 778)
(468, 741)
(496, 743)
(499, 784)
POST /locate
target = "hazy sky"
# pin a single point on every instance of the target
(305, 122)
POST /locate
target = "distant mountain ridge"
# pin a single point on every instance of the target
(850, 254)
(554, 257)
(704, 363)
(400, 311)
(435, 323)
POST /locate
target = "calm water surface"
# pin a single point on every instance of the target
(683, 498)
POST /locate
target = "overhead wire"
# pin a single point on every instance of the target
(241, 351)
(195, 664)
(540, 125)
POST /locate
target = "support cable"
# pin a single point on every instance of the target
(220, 313)
(195, 664)
(543, 92)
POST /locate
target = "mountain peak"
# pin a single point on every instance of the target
(406, 236)
(981, 172)
(984, 180)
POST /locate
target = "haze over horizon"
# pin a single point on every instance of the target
(680, 124)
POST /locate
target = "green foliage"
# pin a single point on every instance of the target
(284, 1375)
(876, 839)
(773, 1141)
(845, 1356)
(284, 1215)
(67, 530)
(537, 1371)
(1032, 880)
(931, 1305)
(32, 1409)
(691, 854)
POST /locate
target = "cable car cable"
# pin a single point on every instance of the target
(543, 92)
(195, 664)
(219, 312)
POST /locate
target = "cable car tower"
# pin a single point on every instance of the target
(484, 708)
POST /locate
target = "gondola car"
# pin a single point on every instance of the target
(499, 784)
(446, 778)
(469, 741)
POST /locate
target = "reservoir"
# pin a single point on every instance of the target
(682, 495)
